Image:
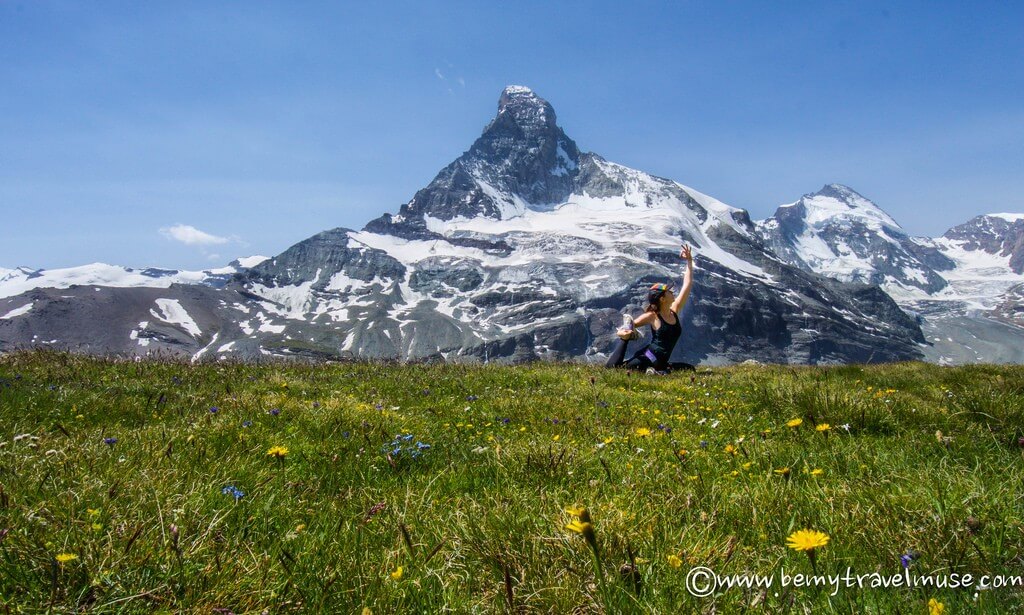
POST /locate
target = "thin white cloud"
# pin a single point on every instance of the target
(191, 236)
(462, 82)
(437, 71)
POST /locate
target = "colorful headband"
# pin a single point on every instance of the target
(661, 287)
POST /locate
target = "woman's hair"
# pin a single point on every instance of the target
(654, 295)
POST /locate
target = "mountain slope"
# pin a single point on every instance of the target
(840, 234)
(526, 247)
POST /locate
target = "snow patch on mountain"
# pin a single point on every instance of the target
(16, 281)
(173, 313)
(18, 311)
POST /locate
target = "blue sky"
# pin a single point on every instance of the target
(260, 124)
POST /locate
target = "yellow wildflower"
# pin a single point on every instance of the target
(579, 512)
(935, 607)
(674, 561)
(795, 423)
(63, 558)
(397, 574)
(730, 449)
(93, 512)
(280, 452)
(822, 427)
(817, 472)
(783, 472)
(643, 432)
(806, 540)
(556, 437)
(585, 528)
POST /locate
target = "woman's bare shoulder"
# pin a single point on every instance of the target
(644, 319)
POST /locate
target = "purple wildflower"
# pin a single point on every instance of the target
(274, 411)
(472, 398)
(214, 409)
(908, 558)
(110, 441)
(247, 424)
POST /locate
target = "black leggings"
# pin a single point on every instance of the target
(640, 360)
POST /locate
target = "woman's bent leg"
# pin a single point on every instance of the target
(618, 355)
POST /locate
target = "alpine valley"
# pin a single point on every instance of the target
(527, 248)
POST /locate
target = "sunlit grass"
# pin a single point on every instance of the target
(421, 488)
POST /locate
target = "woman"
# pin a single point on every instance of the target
(662, 314)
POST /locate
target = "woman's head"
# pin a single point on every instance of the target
(659, 296)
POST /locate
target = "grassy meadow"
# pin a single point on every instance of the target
(385, 488)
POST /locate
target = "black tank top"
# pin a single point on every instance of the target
(664, 338)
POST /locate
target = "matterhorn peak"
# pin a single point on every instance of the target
(520, 109)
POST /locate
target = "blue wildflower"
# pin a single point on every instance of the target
(422, 446)
(234, 492)
(472, 398)
(407, 437)
(703, 443)
(274, 411)
(316, 404)
(214, 409)
(246, 423)
(110, 441)
(346, 434)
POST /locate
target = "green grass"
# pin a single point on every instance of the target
(477, 522)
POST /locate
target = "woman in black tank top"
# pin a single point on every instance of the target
(662, 314)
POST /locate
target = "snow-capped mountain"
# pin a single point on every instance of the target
(16, 281)
(958, 284)
(523, 247)
(840, 234)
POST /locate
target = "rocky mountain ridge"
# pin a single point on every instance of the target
(524, 247)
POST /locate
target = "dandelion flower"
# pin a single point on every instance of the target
(586, 529)
(579, 512)
(935, 607)
(730, 449)
(643, 432)
(806, 540)
(63, 558)
(817, 472)
(397, 574)
(822, 427)
(674, 561)
(783, 472)
(279, 452)
(794, 423)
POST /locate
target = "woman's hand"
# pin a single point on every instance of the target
(686, 254)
